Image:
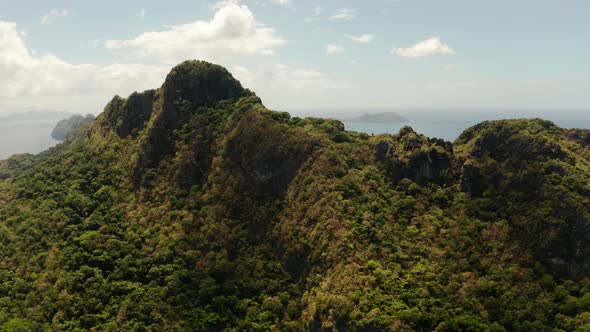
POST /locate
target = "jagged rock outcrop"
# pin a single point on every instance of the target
(415, 157)
(472, 181)
(129, 116)
(580, 136)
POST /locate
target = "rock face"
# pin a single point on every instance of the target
(68, 127)
(127, 117)
(581, 136)
(471, 181)
(415, 157)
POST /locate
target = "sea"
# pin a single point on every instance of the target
(449, 124)
(34, 136)
(31, 136)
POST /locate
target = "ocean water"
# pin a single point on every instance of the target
(34, 136)
(449, 125)
(25, 137)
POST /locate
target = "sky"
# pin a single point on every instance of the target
(302, 54)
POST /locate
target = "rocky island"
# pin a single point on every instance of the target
(385, 117)
(192, 207)
(67, 127)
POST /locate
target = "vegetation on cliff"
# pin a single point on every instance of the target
(194, 208)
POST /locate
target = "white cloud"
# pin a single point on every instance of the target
(343, 14)
(53, 15)
(317, 11)
(273, 74)
(232, 31)
(428, 47)
(363, 39)
(46, 81)
(334, 49)
(24, 73)
(143, 13)
(283, 85)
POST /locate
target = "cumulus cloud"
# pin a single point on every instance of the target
(334, 49)
(272, 74)
(283, 85)
(233, 31)
(24, 73)
(363, 39)
(343, 14)
(428, 47)
(45, 80)
(54, 15)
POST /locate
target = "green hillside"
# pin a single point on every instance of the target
(192, 207)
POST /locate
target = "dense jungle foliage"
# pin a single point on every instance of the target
(194, 208)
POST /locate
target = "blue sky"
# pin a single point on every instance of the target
(315, 55)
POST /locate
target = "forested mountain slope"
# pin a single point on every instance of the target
(194, 208)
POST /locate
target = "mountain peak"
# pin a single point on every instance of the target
(188, 87)
(201, 83)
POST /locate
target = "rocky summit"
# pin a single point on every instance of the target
(192, 207)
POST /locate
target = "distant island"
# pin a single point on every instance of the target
(67, 127)
(379, 118)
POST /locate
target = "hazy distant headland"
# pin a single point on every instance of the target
(67, 127)
(378, 118)
(441, 123)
